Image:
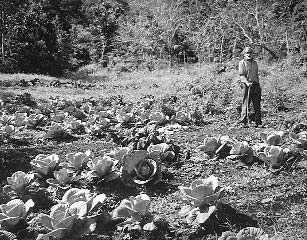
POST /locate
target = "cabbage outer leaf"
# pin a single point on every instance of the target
(203, 216)
(78, 208)
(14, 208)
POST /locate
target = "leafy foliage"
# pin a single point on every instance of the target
(55, 37)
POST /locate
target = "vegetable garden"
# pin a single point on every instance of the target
(167, 166)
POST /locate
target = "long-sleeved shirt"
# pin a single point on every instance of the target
(249, 69)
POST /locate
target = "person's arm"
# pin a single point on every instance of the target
(243, 79)
(243, 74)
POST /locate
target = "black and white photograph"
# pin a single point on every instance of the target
(153, 119)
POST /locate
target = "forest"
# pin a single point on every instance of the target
(54, 37)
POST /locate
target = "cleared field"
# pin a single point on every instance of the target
(255, 193)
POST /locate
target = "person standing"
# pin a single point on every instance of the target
(249, 78)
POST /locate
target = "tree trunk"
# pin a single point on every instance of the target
(2, 37)
(287, 44)
(234, 48)
(221, 48)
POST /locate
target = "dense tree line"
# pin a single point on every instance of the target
(54, 36)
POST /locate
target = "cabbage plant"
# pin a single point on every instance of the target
(158, 118)
(75, 195)
(62, 222)
(248, 233)
(138, 168)
(45, 164)
(273, 137)
(274, 155)
(143, 115)
(135, 208)
(7, 119)
(211, 144)
(86, 107)
(300, 139)
(75, 215)
(161, 150)
(146, 103)
(77, 161)
(61, 177)
(200, 198)
(93, 129)
(182, 117)
(8, 130)
(73, 123)
(105, 114)
(125, 118)
(135, 211)
(20, 119)
(35, 120)
(103, 122)
(119, 153)
(56, 131)
(18, 181)
(103, 167)
(242, 150)
(13, 211)
(58, 116)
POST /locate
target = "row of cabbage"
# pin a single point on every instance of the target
(61, 117)
(133, 167)
(80, 212)
(275, 150)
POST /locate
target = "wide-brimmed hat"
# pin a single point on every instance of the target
(248, 49)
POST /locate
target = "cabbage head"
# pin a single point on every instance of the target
(139, 169)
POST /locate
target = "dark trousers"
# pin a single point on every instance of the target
(255, 98)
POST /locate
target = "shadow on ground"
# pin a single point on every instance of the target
(18, 159)
(226, 218)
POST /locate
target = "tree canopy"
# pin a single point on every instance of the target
(53, 36)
